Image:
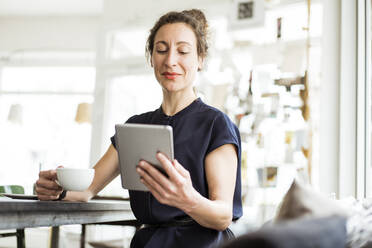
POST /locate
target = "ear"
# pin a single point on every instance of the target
(152, 65)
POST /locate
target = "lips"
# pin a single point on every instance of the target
(170, 75)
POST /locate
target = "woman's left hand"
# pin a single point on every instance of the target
(175, 190)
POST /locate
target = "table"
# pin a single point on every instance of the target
(20, 214)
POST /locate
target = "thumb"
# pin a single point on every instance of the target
(49, 174)
(54, 172)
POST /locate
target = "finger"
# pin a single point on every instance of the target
(160, 182)
(48, 184)
(168, 166)
(154, 192)
(154, 173)
(47, 197)
(44, 191)
(49, 174)
(180, 168)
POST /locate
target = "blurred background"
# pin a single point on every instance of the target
(294, 75)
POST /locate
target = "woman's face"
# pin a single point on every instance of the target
(175, 58)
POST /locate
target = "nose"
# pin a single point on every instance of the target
(171, 59)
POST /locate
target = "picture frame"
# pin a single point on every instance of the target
(246, 14)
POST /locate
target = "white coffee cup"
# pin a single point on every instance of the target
(75, 179)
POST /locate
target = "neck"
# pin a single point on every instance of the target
(176, 101)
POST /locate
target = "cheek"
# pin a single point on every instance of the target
(156, 62)
(191, 67)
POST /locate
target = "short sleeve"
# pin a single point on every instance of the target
(113, 141)
(224, 132)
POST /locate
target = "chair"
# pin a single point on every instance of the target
(108, 243)
(117, 243)
(12, 189)
(20, 233)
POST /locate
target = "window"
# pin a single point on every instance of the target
(368, 102)
(129, 95)
(275, 137)
(37, 111)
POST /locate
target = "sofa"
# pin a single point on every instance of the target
(309, 219)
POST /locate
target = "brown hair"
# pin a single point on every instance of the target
(195, 18)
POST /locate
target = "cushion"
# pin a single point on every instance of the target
(302, 201)
(323, 232)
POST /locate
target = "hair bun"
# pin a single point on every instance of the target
(199, 16)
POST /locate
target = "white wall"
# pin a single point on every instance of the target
(144, 13)
(329, 116)
(52, 33)
(348, 100)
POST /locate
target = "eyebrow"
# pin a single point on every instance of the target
(178, 43)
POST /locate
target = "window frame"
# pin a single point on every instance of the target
(364, 137)
(363, 100)
(350, 162)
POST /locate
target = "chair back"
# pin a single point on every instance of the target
(12, 189)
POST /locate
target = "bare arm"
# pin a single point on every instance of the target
(216, 212)
(213, 212)
(106, 169)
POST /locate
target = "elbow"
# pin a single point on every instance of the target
(85, 199)
(84, 196)
(88, 195)
(225, 218)
(224, 222)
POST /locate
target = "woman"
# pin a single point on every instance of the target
(196, 203)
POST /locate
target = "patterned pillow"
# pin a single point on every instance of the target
(302, 201)
(359, 224)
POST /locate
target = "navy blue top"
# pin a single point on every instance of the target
(198, 129)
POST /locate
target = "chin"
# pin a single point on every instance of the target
(171, 86)
(172, 89)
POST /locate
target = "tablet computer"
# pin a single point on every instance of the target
(135, 142)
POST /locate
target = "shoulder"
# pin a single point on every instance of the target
(217, 116)
(208, 110)
(142, 118)
(222, 128)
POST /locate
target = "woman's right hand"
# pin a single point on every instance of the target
(46, 187)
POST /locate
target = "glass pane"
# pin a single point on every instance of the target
(38, 128)
(46, 133)
(259, 82)
(129, 95)
(49, 79)
(293, 20)
(129, 43)
(239, 79)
